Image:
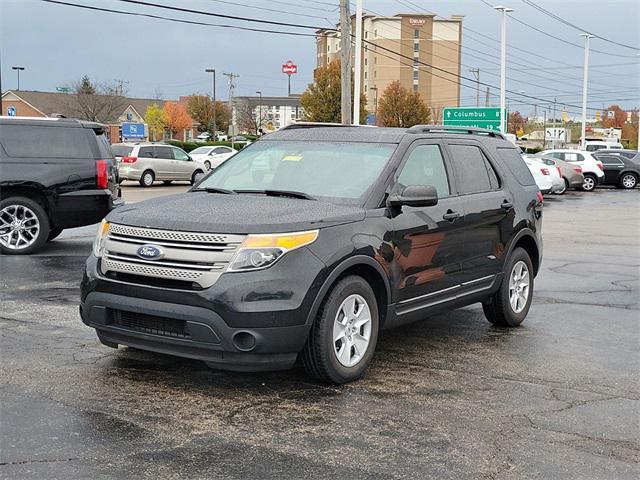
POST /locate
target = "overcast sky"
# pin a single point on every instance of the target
(58, 44)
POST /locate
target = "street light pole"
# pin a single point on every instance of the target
(215, 127)
(259, 110)
(503, 65)
(585, 81)
(18, 69)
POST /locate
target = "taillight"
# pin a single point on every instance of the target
(600, 166)
(578, 169)
(545, 171)
(129, 159)
(539, 196)
(101, 173)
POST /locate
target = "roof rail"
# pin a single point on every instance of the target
(454, 129)
(298, 125)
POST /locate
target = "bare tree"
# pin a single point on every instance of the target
(94, 102)
(250, 116)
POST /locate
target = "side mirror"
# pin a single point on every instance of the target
(415, 196)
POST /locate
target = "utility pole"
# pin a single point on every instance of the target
(358, 64)
(18, 69)
(345, 59)
(585, 81)
(555, 132)
(476, 74)
(214, 129)
(486, 102)
(231, 77)
(503, 65)
(259, 123)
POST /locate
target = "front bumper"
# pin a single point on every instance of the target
(245, 321)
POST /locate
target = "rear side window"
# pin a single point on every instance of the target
(121, 150)
(473, 171)
(573, 157)
(425, 166)
(516, 165)
(34, 141)
(163, 152)
(610, 160)
(145, 152)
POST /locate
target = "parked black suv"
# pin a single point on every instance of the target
(311, 240)
(621, 167)
(55, 173)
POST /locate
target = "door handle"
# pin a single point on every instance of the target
(451, 215)
(506, 205)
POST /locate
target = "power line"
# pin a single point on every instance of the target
(580, 29)
(266, 9)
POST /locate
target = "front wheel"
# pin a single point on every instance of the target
(207, 165)
(589, 183)
(628, 180)
(509, 306)
(24, 226)
(344, 334)
(196, 176)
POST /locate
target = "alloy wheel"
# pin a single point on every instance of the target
(519, 286)
(352, 330)
(19, 227)
(629, 181)
(588, 184)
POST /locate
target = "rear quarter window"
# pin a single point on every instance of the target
(35, 141)
(516, 165)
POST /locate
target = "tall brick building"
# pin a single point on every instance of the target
(419, 39)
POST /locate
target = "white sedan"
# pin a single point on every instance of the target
(211, 156)
(557, 182)
(541, 174)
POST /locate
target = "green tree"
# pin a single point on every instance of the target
(156, 120)
(399, 107)
(321, 100)
(201, 108)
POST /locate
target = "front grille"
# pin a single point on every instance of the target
(151, 324)
(196, 258)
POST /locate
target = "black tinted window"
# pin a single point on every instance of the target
(121, 150)
(516, 165)
(103, 147)
(163, 152)
(33, 141)
(146, 152)
(610, 160)
(425, 166)
(471, 169)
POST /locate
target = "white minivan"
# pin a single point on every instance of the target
(595, 145)
(592, 169)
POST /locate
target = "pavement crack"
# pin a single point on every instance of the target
(44, 460)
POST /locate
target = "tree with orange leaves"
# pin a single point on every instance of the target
(177, 117)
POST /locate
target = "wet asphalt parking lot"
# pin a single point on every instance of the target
(450, 397)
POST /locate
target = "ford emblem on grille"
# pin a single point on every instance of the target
(150, 252)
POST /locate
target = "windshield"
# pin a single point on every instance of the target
(121, 150)
(336, 172)
(201, 150)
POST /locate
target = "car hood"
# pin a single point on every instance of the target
(244, 213)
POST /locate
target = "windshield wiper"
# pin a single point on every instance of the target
(215, 190)
(280, 193)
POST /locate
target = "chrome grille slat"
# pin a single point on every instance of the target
(187, 256)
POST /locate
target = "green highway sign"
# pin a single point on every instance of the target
(478, 117)
(63, 89)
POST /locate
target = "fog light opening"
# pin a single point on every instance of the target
(244, 341)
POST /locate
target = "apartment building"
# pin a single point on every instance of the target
(419, 50)
(267, 113)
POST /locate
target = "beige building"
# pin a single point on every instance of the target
(419, 40)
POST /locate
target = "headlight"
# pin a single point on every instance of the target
(101, 237)
(262, 251)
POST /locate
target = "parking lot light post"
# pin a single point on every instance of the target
(213, 91)
(585, 81)
(18, 69)
(503, 65)
(259, 123)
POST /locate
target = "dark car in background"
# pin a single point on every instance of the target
(621, 168)
(313, 239)
(55, 173)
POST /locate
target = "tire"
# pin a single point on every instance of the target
(628, 181)
(589, 183)
(167, 182)
(53, 233)
(35, 227)
(195, 174)
(147, 178)
(499, 308)
(207, 165)
(339, 361)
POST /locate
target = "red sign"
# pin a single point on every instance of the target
(417, 22)
(289, 68)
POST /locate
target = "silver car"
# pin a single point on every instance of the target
(149, 162)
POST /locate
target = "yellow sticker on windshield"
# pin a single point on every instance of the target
(292, 158)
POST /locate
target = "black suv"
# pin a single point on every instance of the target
(55, 173)
(621, 167)
(311, 240)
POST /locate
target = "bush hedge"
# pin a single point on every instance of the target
(188, 146)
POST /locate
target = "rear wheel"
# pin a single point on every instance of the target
(147, 178)
(509, 306)
(344, 334)
(24, 226)
(628, 180)
(589, 183)
(207, 165)
(196, 176)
